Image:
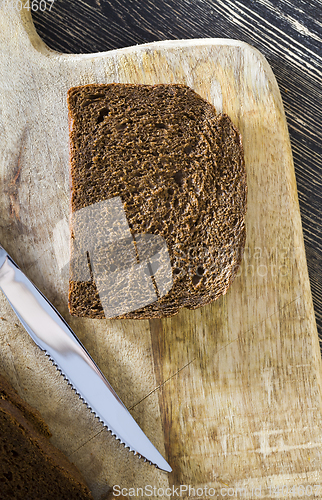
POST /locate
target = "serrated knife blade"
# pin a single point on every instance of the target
(54, 336)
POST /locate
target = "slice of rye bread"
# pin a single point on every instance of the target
(179, 169)
(30, 466)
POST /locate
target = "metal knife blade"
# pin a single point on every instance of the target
(54, 336)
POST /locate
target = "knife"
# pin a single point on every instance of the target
(53, 335)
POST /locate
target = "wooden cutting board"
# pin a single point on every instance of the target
(229, 393)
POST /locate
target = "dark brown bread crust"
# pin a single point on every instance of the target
(179, 170)
(30, 466)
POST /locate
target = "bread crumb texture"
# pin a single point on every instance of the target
(30, 466)
(178, 167)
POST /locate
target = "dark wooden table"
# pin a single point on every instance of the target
(288, 33)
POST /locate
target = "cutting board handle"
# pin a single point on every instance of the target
(17, 29)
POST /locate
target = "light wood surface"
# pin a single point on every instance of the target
(288, 34)
(229, 393)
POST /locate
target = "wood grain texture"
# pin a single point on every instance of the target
(231, 392)
(288, 33)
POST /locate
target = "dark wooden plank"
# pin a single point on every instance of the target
(288, 33)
